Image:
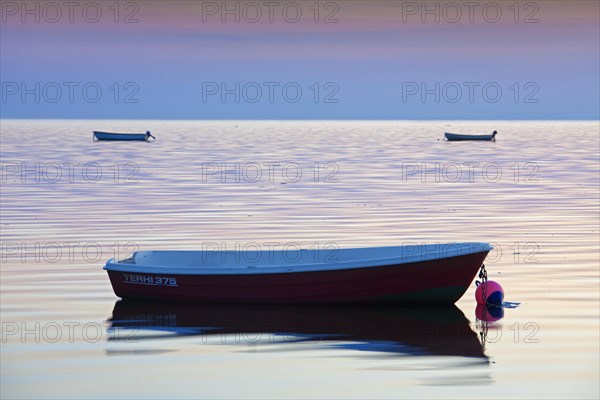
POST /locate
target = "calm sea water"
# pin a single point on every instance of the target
(68, 204)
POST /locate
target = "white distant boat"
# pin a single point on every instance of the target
(122, 136)
(455, 137)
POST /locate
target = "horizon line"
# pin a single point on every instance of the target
(299, 119)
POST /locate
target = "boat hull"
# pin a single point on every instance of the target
(454, 137)
(441, 281)
(120, 136)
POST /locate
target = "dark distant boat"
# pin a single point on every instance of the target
(122, 136)
(455, 137)
(435, 273)
(419, 331)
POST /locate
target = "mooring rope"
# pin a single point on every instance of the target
(484, 325)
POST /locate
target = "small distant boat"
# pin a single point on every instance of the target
(435, 273)
(122, 136)
(455, 137)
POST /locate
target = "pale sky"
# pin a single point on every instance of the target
(301, 60)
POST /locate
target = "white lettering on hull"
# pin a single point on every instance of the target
(150, 280)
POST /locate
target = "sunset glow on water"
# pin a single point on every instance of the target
(63, 328)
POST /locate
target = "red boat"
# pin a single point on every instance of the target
(435, 273)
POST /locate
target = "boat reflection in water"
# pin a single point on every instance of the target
(415, 331)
